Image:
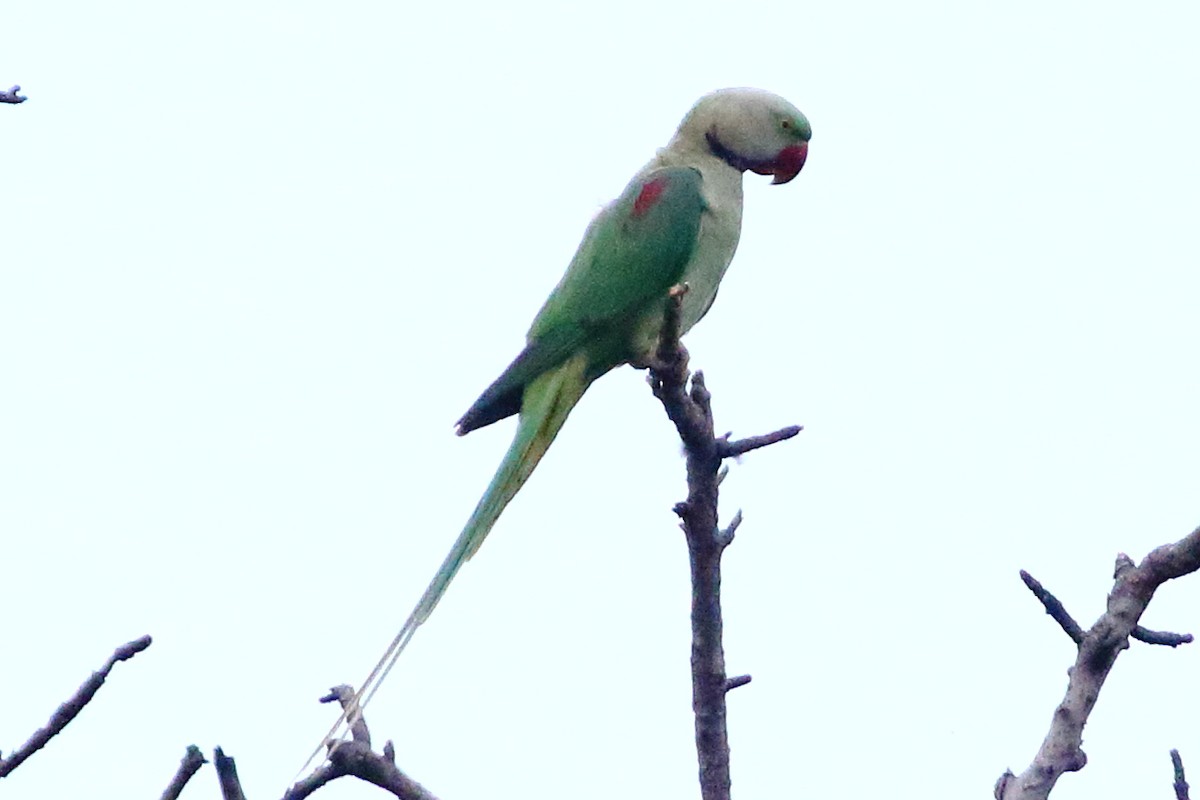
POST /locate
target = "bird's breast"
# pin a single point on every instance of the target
(716, 242)
(720, 227)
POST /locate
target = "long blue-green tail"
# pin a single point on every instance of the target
(544, 408)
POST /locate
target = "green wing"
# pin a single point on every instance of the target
(631, 254)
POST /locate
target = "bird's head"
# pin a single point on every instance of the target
(749, 129)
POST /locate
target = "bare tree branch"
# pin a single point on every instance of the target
(231, 785)
(1181, 784)
(356, 758)
(1165, 638)
(1133, 588)
(735, 682)
(1056, 610)
(728, 449)
(70, 709)
(691, 412)
(11, 96)
(191, 763)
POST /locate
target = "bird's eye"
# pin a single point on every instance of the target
(786, 124)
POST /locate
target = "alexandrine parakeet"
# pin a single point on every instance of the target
(677, 222)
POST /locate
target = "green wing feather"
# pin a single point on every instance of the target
(629, 257)
(632, 253)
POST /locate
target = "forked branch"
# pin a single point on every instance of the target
(1099, 646)
(356, 758)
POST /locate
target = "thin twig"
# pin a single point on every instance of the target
(189, 765)
(69, 710)
(1133, 588)
(735, 682)
(722, 474)
(1165, 638)
(728, 449)
(1053, 607)
(11, 96)
(726, 533)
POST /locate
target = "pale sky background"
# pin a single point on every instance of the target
(257, 258)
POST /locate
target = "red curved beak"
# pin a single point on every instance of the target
(788, 163)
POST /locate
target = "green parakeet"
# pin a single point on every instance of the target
(677, 221)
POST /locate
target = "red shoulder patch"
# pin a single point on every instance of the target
(649, 195)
